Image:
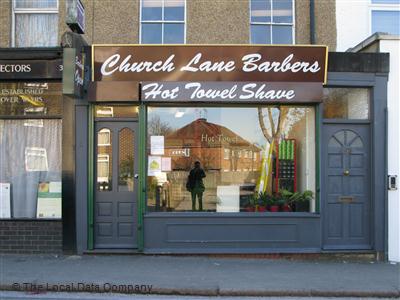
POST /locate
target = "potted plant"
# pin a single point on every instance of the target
(262, 201)
(274, 203)
(303, 201)
(289, 199)
(251, 206)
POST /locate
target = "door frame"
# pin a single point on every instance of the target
(141, 120)
(324, 170)
(377, 83)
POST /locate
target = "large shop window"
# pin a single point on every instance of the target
(35, 23)
(162, 22)
(271, 22)
(30, 150)
(231, 159)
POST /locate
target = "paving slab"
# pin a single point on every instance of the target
(200, 275)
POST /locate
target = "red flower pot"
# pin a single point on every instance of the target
(286, 208)
(262, 209)
(250, 209)
(274, 208)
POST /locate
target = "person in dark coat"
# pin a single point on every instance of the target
(195, 185)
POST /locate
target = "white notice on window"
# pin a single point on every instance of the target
(5, 201)
(55, 187)
(166, 164)
(154, 167)
(157, 144)
(49, 208)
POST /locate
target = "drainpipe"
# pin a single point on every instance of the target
(312, 22)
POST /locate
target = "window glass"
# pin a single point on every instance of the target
(104, 160)
(126, 160)
(116, 111)
(35, 3)
(162, 22)
(260, 10)
(261, 34)
(385, 1)
(282, 34)
(174, 33)
(386, 21)
(236, 160)
(346, 103)
(33, 28)
(271, 22)
(31, 99)
(30, 173)
(174, 10)
(282, 11)
(151, 10)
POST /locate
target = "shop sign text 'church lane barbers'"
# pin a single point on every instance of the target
(209, 63)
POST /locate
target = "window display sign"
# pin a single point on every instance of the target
(5, 201)
(209, 63)
(30, 99)
(270, 92)
(49, 200)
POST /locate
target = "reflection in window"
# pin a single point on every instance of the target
(104, 160)
(271, 21)
(239, 159)
(126, 160)
(346, 103)
(162, 22)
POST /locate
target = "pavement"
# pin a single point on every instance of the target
(199, 275)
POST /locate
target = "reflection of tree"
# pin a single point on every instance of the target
(280, 119)
(158, 127)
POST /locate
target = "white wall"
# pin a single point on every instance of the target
(393, 47)
(353, 27)
(352, 21)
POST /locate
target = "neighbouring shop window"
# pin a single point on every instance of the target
(30, 173)
(231, 159)
(35, 23)
(271, 22)
(31, 99)
(116, 111)
(346, 103)
(385, 16)
(162, 22)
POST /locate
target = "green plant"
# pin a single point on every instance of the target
(263, 198)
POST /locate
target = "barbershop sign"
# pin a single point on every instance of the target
(213, 72)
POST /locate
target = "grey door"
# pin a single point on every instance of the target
(115, 209)
(346, 210)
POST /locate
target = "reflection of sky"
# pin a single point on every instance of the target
(243, 121)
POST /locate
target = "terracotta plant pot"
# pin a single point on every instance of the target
(274, 208)
(262, 209)
(286, 208)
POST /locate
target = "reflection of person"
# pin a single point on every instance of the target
(195, 185)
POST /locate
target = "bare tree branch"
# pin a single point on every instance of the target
(271, 121)
(262, 125)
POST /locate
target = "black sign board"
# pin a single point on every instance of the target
(240, 92)
(31, 69)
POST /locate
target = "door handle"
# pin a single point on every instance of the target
(346, 173)
(136, 176)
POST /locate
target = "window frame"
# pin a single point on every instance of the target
(15, 11)
(379, 7)
(293, 24)
(162, 22)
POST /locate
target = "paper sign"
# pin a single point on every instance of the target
(154, 166)
(157, 144)
(166, 164)
(55, 187)
(49, 207)
(5, 200)
(228, 198)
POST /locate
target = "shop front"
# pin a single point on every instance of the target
(231, 149)
(30, 150)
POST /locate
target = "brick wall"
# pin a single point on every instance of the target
(30, 237)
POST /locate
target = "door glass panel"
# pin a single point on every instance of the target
(116, 111)
(346, 103)
(104, 160)
(126, 160)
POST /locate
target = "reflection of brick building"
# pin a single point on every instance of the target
(215, 146)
